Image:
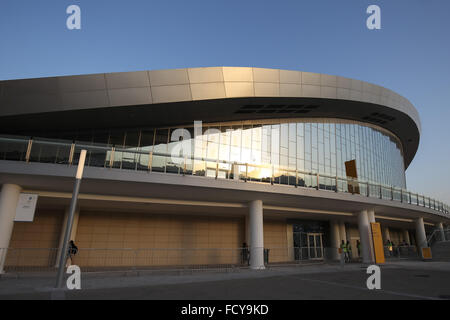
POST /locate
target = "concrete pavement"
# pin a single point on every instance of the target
(399, 280)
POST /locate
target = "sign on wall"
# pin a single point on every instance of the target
(26, 207)
(351, 172)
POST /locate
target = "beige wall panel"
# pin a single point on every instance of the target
(239, 89)
(275, 240)
(290, 90)
(356, 85)
(82, 83)
(345, 83)
(267, 89)
(237, 74)
(168, 77)
(130, 96)
(84, 99)
(34, 243)
(203, 75)
(121, 80)
(343, 93)
(204, 91)
(288, 76)
(311, 91)
(328, 92)
(266, 75)
(328, 80)
(158, 240)
(171, 93)
(311, 78)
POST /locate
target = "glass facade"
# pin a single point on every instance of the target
(304, 145)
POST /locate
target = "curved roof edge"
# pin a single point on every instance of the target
(140, 88)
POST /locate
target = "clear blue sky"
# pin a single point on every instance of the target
(410, 55)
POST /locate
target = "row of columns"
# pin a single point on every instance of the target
(337, 234)
(365, 217)
(387, 235)
(9, 197)
(255, 234)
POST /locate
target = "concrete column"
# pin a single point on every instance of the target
(335, 239)
(9, 197)
(342, 232)
(63, 230)
(364, 234)
(421, 236)
(406, 237)
(386, 234)
(247, 230)
(235, 169)
(371, 217)
(256, 233)
(441, 234)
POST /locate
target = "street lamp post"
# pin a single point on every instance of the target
(73, 205)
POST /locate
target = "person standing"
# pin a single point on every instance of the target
(358, 247)
(349, 251)
(344, 250)
(389, 247)
(245, 254)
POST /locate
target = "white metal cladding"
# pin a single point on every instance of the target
(209, 94)
(192, 84)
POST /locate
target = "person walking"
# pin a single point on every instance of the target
(72, 250)
(349, 251)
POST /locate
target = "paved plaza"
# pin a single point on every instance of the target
(399, 280)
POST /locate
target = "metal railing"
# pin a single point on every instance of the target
(300, 255)
(438, 235)
(65, 153)
(18, 260)
(401, 252)
(26, 260)
(111, 259)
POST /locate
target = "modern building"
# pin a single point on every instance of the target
(190, 166)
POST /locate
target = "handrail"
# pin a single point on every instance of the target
(362, 187)
(436, 235)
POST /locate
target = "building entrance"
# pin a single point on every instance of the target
(308, 246)
(315, 246)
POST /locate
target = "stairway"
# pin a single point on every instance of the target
(441, 251)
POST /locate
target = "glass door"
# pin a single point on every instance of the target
(315, 247)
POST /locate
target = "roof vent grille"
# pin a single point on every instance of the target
(275, 108)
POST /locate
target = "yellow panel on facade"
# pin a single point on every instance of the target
(377, 242)
(426, 253)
